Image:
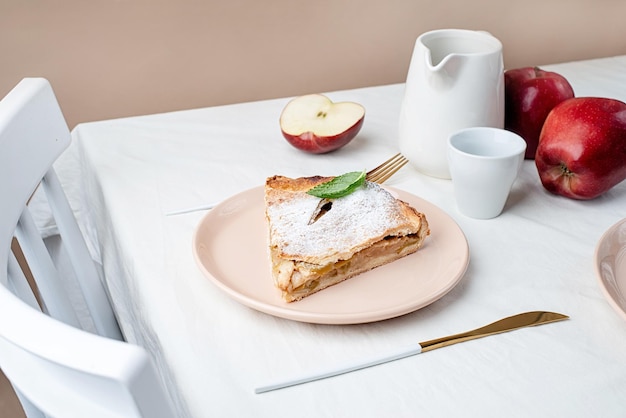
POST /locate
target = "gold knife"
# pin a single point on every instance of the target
(522, 320)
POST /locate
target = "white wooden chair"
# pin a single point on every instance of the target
(57, 368)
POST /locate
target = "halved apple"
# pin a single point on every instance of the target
(313, 123)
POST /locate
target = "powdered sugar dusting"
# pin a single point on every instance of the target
(365, 214)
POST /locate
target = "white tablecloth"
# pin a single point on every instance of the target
(213, 351)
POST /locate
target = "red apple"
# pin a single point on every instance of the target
(530, 93)
(313, 123)
(582, 147)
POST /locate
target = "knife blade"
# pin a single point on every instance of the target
(510, 323)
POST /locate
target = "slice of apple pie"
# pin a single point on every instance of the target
(350, 235)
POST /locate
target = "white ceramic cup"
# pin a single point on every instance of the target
(484, 163)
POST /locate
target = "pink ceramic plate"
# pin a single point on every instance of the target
(611, 266)
(230, 247)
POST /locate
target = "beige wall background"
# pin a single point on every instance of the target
(115, 58)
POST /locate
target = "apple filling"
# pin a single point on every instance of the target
(298, 279)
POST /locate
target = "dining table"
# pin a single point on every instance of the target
(172, 208)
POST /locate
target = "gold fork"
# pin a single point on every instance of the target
(387, 169)
(378, 175)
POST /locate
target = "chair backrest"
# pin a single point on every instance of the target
(57, 368)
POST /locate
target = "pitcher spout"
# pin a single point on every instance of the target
(444, 72)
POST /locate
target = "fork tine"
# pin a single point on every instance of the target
(387, 169)
(391, 171)
(375, 171)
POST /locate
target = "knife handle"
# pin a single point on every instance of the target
(341, 369)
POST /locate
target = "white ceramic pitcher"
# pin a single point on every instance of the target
(455, 81)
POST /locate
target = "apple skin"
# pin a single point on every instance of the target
(314, 144)
(530, 93)
(582, 147)
(320, 109)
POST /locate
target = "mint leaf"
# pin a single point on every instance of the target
(340, 186)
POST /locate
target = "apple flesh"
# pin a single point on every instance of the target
(530, 93)
(313, 123)
(582, 147)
